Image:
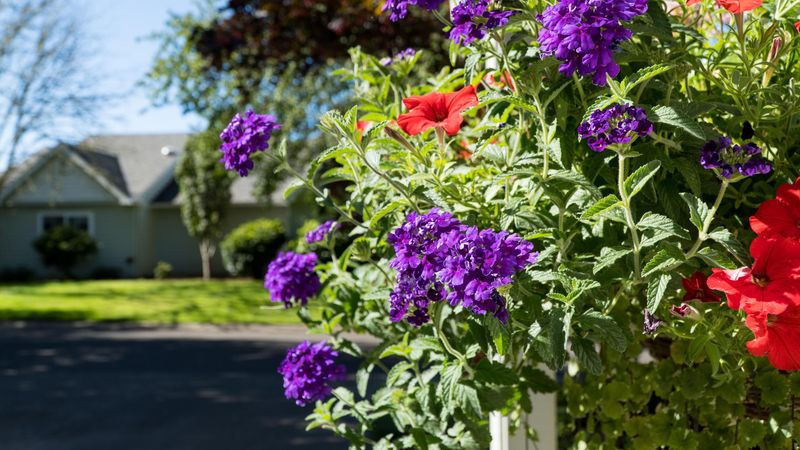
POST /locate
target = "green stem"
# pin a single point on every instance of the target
(626, 204)
(396, 186)
(703, 235)
(319, 193)
(438, 320)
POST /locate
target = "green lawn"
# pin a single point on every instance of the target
(147, 301)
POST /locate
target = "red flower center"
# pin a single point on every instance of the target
(760, 280)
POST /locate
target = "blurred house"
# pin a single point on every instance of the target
(121, 189)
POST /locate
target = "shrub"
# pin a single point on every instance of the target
(17, 275)
(248, 249)
(162, 270)
(63, 247)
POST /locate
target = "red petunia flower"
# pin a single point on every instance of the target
(697, 289)
(777, 337)
(780, 216)
(437, 110)
(734, 6)
(797, 26)
(771, 285)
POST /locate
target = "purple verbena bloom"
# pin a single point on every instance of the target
(479, 262)
(291, 277)
(472, 19)
(617, 124)
(321, 232)
(651, 322)
(439, 258)
(418, 256)
(244, 136)
(401, 56)
(398, 9)
(731, 158)
(584, 34)
(308, 371)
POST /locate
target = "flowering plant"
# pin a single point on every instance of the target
(593, 242)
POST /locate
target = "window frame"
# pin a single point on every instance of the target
(65, 214)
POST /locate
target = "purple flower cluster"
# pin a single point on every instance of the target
(438, 258)
(245, 136)
(473, 18)
(401, 56)
(399, 8)
(308, 371)
(729, 158)
(291, 277)
(584, 34)
(321, 232)
(617, 124)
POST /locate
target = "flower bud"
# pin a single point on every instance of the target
(684, 310)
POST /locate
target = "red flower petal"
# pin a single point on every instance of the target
(739, 6)
(797, 26)
(777, 337)
(437, 110)
(780, 216)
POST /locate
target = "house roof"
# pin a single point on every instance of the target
(135, 168)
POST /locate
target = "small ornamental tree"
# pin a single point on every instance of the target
(205, 188)
(63, 247)
(608, 188)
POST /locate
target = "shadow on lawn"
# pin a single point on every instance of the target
(59, 391)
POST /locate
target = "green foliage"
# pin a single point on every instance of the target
(205, 190)
(248, 249)
(616, 232)
(162, 270)
(63, 247)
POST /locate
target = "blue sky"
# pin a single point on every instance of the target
(118, 30)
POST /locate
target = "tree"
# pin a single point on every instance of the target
(276, 57)
(46, 85)
(63, 247)
(205, 188)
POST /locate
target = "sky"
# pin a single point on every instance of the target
(118, 29)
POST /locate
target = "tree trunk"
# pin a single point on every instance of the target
(207, 251)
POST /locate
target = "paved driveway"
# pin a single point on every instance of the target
(97, 388)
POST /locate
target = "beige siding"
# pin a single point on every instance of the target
(57, 181)
(173, 244)
(114, 230)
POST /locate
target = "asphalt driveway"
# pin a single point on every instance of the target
(77, 387)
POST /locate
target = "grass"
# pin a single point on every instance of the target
(145, 301)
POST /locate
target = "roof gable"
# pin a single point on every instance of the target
(61, 177)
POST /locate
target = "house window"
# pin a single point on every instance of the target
(80, 220)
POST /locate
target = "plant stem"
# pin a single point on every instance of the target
(626, 204)
(703, 235)
(438, 319)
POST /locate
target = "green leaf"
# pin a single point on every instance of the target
(639, 178)
(296, 184)
(373, 221)
(729, 242)
(467, 398)
(450, 374)
(362, 379)
(606, 327)
(603, 205)
(667, 257)
(716, 258)
(608, 256)
(587, 356)
(495, 373)
(656, 289)
(664, 224)
(698, 210)
(538, 381)
(670, 116)
(560, 324)
(643, 75)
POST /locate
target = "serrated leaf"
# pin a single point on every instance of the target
(664, 259)
(663, 223)
(643, 75)
(670, 116)
(450, 376)
(698, 210)
(725, 238)
(603, 205)
(606, 327)
(560, 325)
(716, 258)
(362, 379)
(608, 256)
(538, 381)
(383, 212)
(467, 398)
(639, 178)
(587, 356)
(656, 289)
(296, 184)
(495, 373)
